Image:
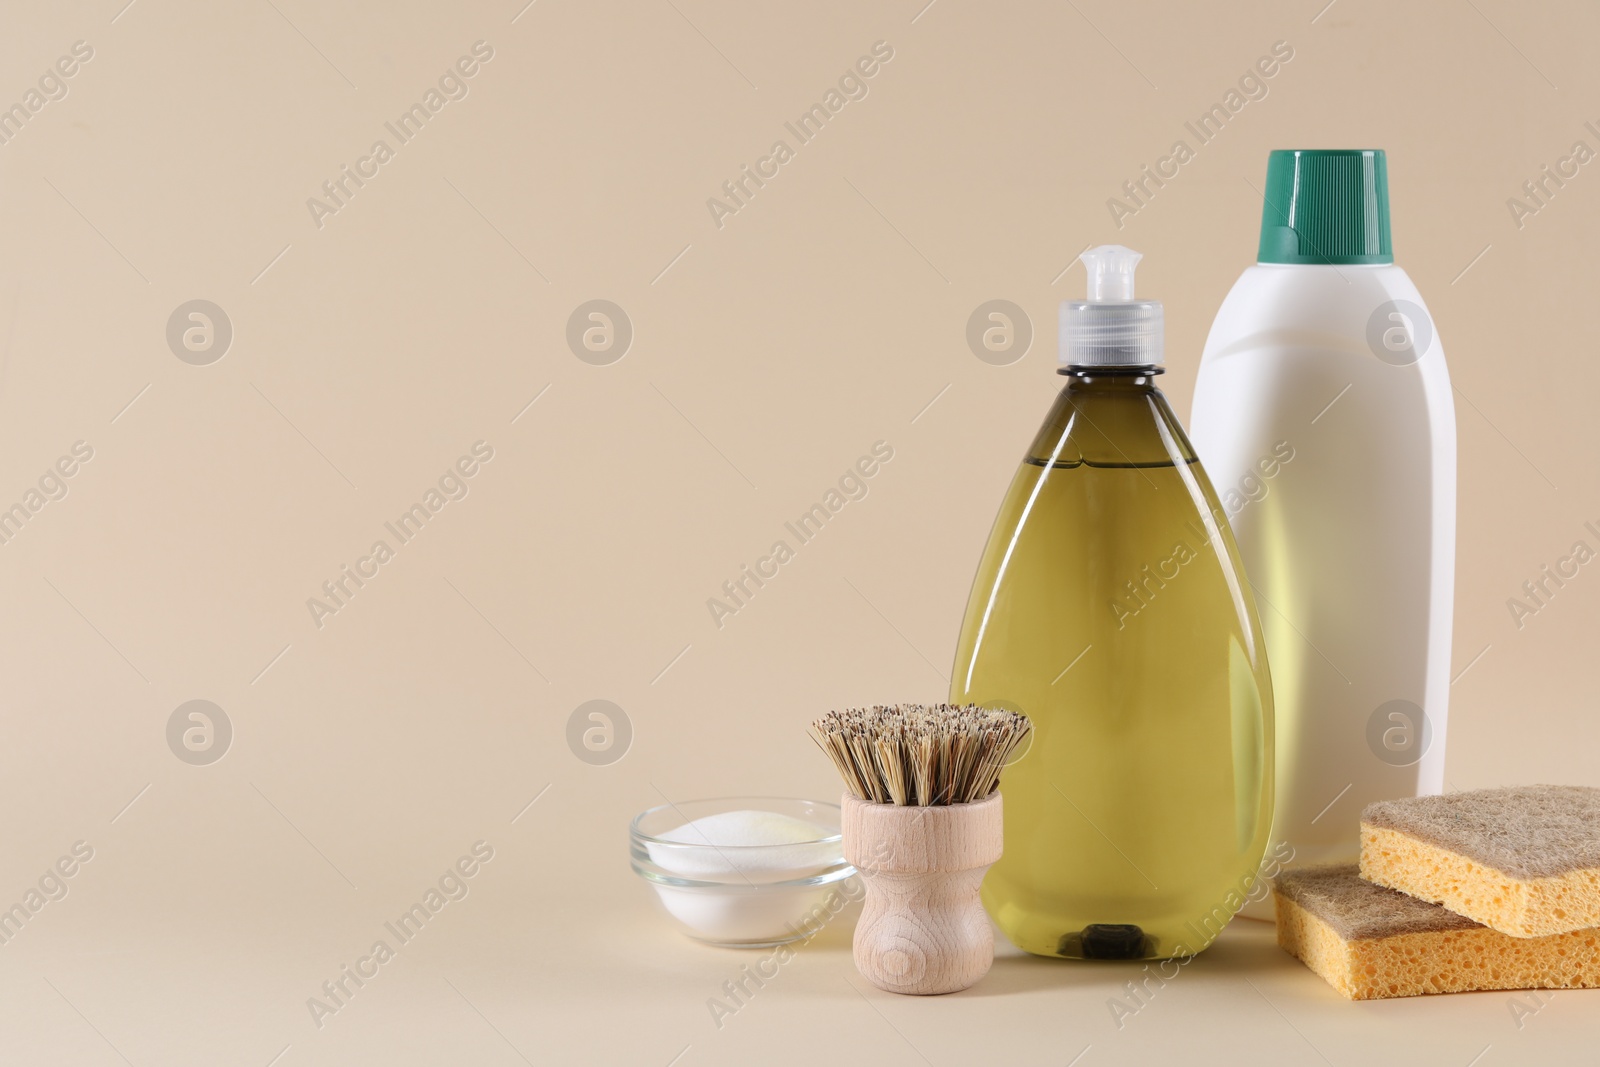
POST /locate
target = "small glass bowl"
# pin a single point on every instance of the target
(746, 896)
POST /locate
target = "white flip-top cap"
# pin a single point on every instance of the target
(1111, 328)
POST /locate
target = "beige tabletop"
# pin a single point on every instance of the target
(395, 379)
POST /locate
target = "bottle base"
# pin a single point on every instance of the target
(1111, 941)
(1106, 941)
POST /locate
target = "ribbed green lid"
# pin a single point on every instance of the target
(1326, 205)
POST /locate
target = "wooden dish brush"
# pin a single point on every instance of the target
(922, 824)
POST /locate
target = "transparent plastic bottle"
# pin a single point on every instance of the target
(1111, 609)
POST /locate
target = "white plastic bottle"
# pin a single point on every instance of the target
(1323, 411)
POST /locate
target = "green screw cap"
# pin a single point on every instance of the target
(1326, 206)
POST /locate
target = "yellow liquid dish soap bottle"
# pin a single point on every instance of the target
(1111, 609)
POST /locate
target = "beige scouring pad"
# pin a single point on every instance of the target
(1369, 942)
(1524, 860)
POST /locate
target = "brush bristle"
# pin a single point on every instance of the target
(920, 755)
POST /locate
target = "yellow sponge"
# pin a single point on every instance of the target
(1523, 860)
(1370, 942)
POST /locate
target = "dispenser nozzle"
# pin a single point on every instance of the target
(1110, 269)
(1112, 328)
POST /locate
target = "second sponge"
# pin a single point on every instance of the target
(1370, 942)
(1523, 860)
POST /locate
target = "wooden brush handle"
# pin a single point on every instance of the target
(922, 928)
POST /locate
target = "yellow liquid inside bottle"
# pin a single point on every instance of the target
(1110, 608)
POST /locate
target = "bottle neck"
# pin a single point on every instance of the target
(1109, 417)
(1134, 375)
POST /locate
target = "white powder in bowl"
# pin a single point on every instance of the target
(740, 846)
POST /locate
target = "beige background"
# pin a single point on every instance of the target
(827, 314)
